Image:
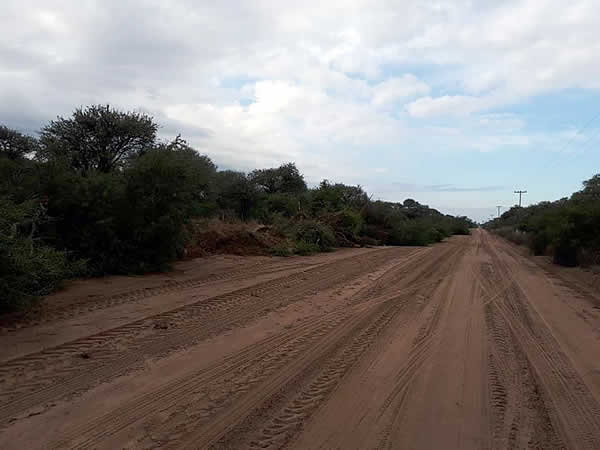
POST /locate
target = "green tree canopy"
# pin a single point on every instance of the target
(15, 145)
(285, 179)
(97, 138)
(237, 193)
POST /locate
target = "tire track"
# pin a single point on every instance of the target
(282, 427)
(282, 423)
(224, 426)
(142, 339)
(519, 413)
(404, 273)
(525, 350)
(311, 362)
(232, 381)
(417, 356)
(268, 354)
(85, 306)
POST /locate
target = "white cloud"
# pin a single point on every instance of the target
(395, 89)
(332, 85)
(447, 104)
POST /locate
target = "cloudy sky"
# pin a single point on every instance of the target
(453, 103)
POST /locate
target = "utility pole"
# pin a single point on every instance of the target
(520, 193)
(499, 206)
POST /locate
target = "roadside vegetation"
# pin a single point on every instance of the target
(568, 229)
(98, 193)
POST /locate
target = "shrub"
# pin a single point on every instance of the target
(306, 248)
(28, 268)
(314, 233)
(283, 249)
(568, 229)
(409, 234)
(164, 189)
(346, 225)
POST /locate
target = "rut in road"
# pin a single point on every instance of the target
(301, 392)
(445, 347)
(84, 305)
(545, 382)
(58, 372)
(196, 399)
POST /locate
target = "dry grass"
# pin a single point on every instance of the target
(214, 236)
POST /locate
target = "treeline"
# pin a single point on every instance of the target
(567, 229)
(99, 193)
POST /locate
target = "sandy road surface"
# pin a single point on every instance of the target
(465, 344)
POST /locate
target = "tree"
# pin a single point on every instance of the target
(285, 179)
(97, 138)
(410, 203)
(164, 189)
(15, 145)
(237, 193)
(201, 171)
(590, 191)
(335, 197)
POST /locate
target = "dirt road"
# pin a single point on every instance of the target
(465, 344)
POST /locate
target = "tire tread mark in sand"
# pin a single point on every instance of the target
(522, 410)
(553, 368)
(417, 356)
(207, 303)
(193, 419)
(282, 428)
(270, 353)
(401, 272)
(519, 413)
(230, 312)
(276, 434)
(84, 305)
(201, 433)
(110, 333)
(556, 371)
(260, 404)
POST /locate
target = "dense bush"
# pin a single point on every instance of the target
(98, 193)
(346, 225)
(313, 234)
(28, 268)
(568, 229)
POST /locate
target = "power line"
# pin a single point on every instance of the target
(579, 131)
(570, 157)
(551, 163)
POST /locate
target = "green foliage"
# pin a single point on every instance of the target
(346, 225)
(237, 194)
(28, 268)
(335, 197)
(87, 212)
(15, 145)
(410, 233)
(307, 248)
(568, 229)
(97, 138)
(283, 249)
(163, 189)
(286, 179)
(286, 205)
(312, 234)
(410, 223)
